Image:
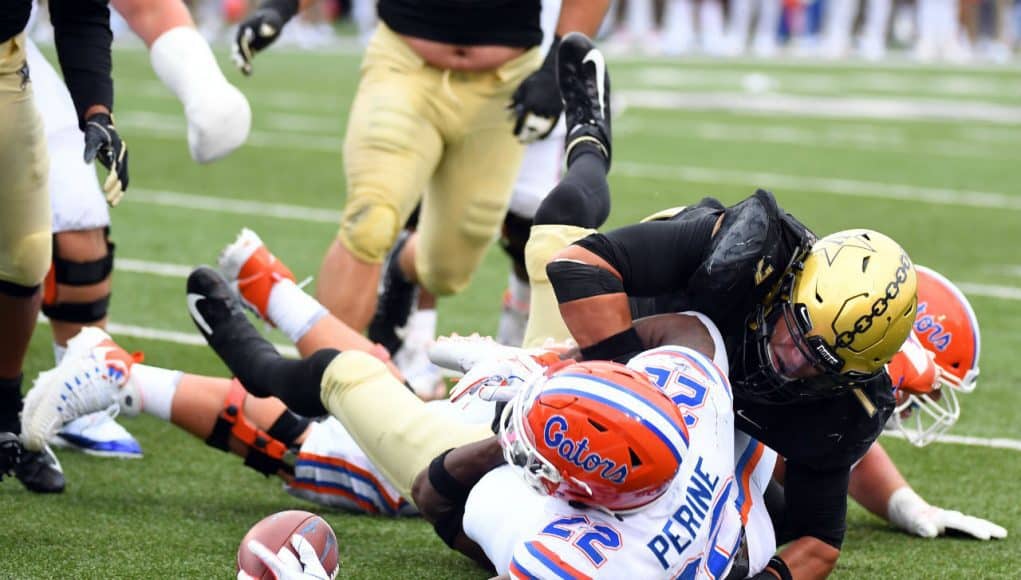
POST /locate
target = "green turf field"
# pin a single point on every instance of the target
(930, 156)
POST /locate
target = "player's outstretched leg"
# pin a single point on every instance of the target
(255, 362)
(585, 88)
(87, 380)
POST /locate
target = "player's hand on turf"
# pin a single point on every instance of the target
(285, 565)
(914, 515)
(102, 142)
(254, 34)
(941, 522)
(536, 104)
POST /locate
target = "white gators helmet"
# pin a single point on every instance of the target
(938, 362)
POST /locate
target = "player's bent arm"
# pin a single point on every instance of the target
(441, 491)
(878, 486)
(873, 481)
(592, 300)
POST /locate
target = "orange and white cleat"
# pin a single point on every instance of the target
(252, 270)
(88, 379)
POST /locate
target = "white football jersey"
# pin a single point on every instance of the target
(692, 531)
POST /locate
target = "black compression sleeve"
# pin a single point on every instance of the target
(81, 30)
(654, 258)
(582, 198)
(816, 504)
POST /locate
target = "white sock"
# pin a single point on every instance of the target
(150, 389)
(184, 62)
(520, 292)
(58, 352)
(293, 311)
(421, 326)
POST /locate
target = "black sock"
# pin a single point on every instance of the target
(584, 148)
(10, 404)
(582, 198)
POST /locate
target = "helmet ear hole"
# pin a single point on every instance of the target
(635, 460)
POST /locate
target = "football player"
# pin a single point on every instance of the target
(76, 290)
(808, 324)
(83, 40)
(405, 318)
(429, 123)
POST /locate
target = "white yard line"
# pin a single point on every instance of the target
(991, 291)
(154, 268)
(888, 108)
(235, 206)
(171, 336)
(834, 137)
(994, 443)
(830, 185)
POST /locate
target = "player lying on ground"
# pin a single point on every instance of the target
(331, 469)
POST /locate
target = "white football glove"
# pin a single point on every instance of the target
(285, 565)
(499, 378)
(914, 515)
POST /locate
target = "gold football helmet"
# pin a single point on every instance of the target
(854, 301)
(848, 307)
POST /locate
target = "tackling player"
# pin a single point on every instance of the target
(83, 41)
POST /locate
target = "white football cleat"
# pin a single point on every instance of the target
(98, 434)
(218, 123)
(252, 270)
(86, 380)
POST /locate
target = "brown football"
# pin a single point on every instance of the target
(275, 532)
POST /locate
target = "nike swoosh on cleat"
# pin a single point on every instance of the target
(596, 58)
(193, 300)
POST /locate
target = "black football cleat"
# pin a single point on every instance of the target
(40, 472)
(218, 314)
(10, 453)
(396, 299)
(585, 88)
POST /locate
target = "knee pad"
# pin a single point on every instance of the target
(24, 265)
(268, 451)
(70, 273)
(513, 239)
(368, 229)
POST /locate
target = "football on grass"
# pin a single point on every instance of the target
(275, 532)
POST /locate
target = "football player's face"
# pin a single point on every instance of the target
(785, 356)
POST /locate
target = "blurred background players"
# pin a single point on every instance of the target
(83, 34)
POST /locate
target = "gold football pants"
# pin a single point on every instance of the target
(24, 197)
(442, 137)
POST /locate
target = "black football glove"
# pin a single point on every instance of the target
(260, 30)
(536, 104)
(103, 143)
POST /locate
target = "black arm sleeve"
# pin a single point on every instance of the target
(81, 29)
(657, 257)
(816, 504)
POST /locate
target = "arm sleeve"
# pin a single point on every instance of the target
(816, 504)
(81, 30)
(657, 257)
